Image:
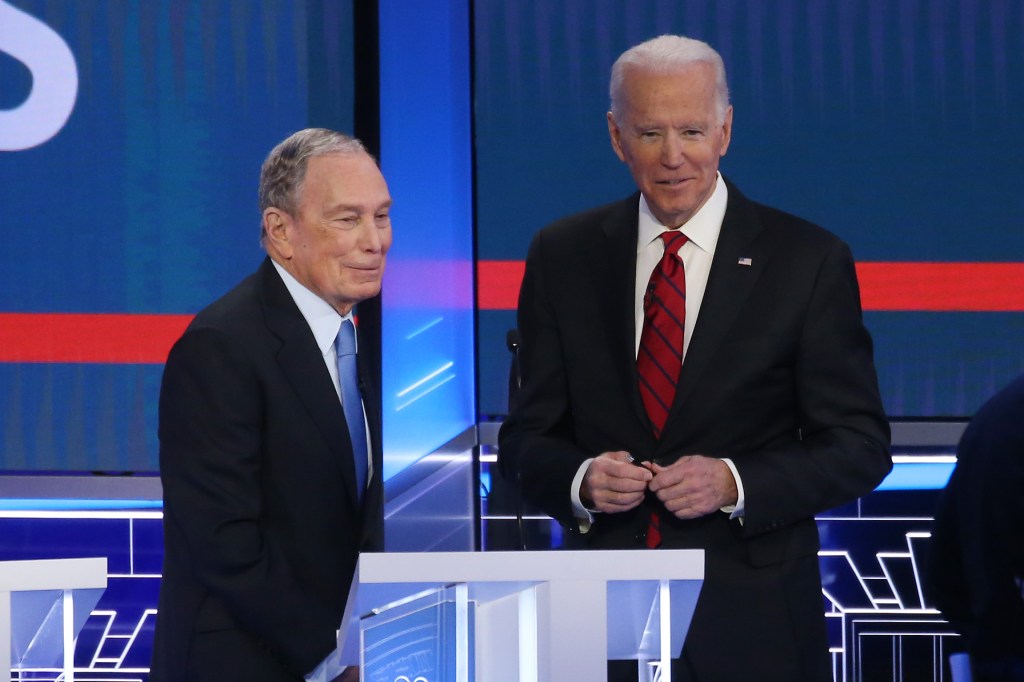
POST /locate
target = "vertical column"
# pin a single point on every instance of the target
(5, 636)
(68, 632)
(572, 631)
(462, 634)
(427, 157)
(665, 616)
(527, 603)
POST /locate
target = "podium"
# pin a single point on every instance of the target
(517, 616)
(43, 605)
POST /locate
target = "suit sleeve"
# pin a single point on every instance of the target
(537, 447)
(843, 449)
(210, 460)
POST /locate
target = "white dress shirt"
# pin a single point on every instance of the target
(324, 321)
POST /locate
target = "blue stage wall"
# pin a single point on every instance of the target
(892, 123)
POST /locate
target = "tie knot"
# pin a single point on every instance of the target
(345, 344)
(674, 240)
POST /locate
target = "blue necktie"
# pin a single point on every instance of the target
(348, 377)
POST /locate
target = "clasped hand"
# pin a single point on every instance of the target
(690, 487)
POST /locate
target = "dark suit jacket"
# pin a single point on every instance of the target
(778, 376)
(976, 567)
(262, 527)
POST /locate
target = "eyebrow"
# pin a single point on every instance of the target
(693, 123)
(341, 208)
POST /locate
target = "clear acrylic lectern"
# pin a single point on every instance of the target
(517, 616)
(43, 605)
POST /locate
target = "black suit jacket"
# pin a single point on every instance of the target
(778, 376)
(976, 567)
(261, 521)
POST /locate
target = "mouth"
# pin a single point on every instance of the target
(365, 274)
(671, 182)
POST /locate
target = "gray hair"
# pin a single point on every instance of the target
(668, 54)
(284, 169)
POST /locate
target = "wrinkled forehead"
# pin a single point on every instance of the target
(690, 84)
(351, 179)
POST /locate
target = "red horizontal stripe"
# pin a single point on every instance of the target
(947, 287)
(498, 284)
(146, 339)
(96, 338)
(938, 287)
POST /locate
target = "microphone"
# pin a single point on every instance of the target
(515, 375)
(515, 382)
(512, 340)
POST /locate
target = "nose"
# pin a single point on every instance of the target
(672, 150)
(370, 239)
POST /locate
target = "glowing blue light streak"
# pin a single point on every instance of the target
(425, 393)
(433, 323)
(439, 370)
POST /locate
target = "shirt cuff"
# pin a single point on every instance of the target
(584, 517)
(735, 511)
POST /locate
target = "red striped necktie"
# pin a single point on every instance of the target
(661, 343)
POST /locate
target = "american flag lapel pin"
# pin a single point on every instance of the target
(746, 261)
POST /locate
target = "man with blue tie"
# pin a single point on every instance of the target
(270, 442)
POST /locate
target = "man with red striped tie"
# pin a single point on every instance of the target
(696, 374)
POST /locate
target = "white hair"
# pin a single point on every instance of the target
(668, 54)
(284, 169)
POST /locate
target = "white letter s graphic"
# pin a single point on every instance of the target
(54, 80)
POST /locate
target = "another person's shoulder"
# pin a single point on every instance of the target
(1011, 395)
(999, 422)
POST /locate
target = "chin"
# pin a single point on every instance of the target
(369, 292)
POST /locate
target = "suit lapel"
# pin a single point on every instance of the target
(374, 488)
(619, 263)
(730, 283)
(303, 366)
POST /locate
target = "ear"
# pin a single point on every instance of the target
(726, 132)
(616, 137)
(276, 232)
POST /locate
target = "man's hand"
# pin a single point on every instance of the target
(694, 486)
(613, 483)
(350, 674)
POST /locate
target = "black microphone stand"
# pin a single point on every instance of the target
(515, 382)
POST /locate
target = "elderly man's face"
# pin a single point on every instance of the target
(671, 138)
(337, 242)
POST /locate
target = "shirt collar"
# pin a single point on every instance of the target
(323, 320)
(702, 228)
